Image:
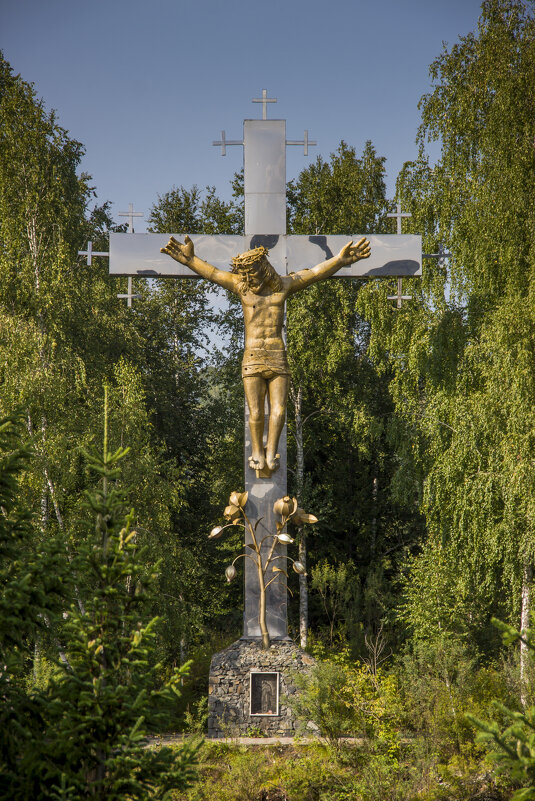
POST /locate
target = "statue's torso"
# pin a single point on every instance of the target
(264, 317)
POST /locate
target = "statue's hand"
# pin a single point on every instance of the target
(177, 251)
(351, 253)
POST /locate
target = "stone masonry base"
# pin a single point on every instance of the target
(240, 703)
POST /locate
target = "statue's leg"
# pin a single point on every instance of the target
(278, 395)
(255, 391)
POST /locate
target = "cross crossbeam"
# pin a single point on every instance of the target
(90, 253)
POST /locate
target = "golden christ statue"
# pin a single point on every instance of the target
(263, 293)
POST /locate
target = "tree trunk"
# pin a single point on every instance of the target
(527, 579)
(299, 476)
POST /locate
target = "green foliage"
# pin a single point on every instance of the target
(513, 747)
(461, 358)
(338, 699)
(32, 586)
(107, 699)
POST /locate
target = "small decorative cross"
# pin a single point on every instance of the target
(400, 296)
(442, 254)
(398, 214)
(90, 253)
(264, 100)
(306, 142)
(129, 296)
(224, 142)
(130, 214)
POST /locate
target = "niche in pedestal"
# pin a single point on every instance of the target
(264, 693)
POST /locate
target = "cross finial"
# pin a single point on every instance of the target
(130, 214)
(306, 142)
(400, 296)
(442, 254)
(224, 142)
(90, 253)
(129, 296)
(398, 214)
(264, 100)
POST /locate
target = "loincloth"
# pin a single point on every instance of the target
(264, 363)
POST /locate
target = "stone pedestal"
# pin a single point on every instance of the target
(248, 688)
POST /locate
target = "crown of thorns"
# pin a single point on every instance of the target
(248, 258)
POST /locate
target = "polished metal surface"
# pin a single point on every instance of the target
(390, 254)
(139, 254)
(265, 176)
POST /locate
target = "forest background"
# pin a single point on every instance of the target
(411, 432)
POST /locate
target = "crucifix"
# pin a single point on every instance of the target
(268, 265)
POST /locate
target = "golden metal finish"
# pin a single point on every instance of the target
(288, 511)
(263, 294)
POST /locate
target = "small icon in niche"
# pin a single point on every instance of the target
(264, 696)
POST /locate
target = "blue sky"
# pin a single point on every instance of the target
(147, 86)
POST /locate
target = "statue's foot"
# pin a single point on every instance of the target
(257, 461)
(273, 462)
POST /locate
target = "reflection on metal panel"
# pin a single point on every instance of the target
(139, 254)
(265, 176)
(391, 254)
(265, 156)
(265, 214)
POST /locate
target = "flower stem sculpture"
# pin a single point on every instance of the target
(288, 511)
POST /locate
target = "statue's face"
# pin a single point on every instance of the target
(253, 277)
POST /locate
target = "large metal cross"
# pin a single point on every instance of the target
(264, 142)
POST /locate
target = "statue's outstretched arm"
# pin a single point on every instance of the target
(184, 254)
(349, 254)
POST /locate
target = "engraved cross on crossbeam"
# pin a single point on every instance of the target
(264, 158)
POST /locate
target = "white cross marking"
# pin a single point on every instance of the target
(264, 100)
(398, 214)
(400, 296)
(306, 142)
(130, 214)
(129, 296)
(90, 253)
(224, 142)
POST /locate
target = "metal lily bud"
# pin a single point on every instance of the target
(230, 572)
(299, 568)
(285, 506)
(284, 538)
(215, 532)
(231, 512)
(300, 517)
(238, 499)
